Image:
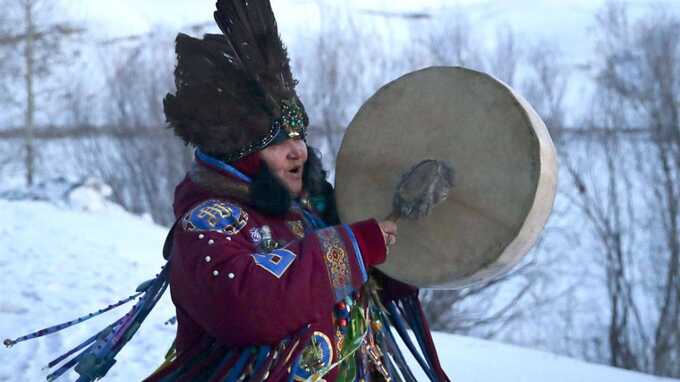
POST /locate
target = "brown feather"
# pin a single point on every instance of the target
(230, 87)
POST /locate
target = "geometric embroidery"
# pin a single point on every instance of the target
(337, 263)
(216, 216)
(276, 262)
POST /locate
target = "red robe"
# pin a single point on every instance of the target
(231, 291)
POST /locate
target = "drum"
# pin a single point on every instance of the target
(504, 161)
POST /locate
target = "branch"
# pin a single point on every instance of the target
(57, 29)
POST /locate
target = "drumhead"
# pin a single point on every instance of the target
(505, 168)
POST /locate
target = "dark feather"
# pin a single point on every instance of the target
(230, 87)
(268, 195)
(251, 29)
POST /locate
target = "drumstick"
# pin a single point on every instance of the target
(421, 188)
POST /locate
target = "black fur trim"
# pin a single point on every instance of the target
(268, 194)
(314, 176)
(314, 179)
(330, 212)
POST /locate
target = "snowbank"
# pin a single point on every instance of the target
(60, 263)
(468, 359)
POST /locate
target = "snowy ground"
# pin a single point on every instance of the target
(63, 262)
(73, 252)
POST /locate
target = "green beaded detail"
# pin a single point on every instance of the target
(292, 122)
(292, 119)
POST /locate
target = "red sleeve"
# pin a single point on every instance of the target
(371, 242)
(242, 296)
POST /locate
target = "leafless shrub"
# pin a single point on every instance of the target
(506, 56)
(338, 69)
(546, 85)
(142, 168)
(33, 52)
(634, 198)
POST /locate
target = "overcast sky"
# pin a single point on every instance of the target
(564, 22)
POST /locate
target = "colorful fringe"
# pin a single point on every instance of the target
(402, 314)
(101, 349)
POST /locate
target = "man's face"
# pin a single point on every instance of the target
(286, 161)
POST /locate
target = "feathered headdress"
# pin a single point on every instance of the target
(235, 92)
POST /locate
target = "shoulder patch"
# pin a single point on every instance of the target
(275, 262)
(216, 216)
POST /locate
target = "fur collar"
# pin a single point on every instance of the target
(218, 184)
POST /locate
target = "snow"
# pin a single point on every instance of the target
(62, 260)
(65, 254)
(468, 359)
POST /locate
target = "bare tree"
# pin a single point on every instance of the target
(503, 61)
(450, 42)
(659, 97)
(603, 197)
(142, 160)
(340, 69)
(41, 42)
(8, 66)
(477, 310)
(546, 86)
(634, 197)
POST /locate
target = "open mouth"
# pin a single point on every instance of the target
(297, 171)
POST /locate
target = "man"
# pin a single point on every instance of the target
(266, 281)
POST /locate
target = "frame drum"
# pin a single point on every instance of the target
(503, 157)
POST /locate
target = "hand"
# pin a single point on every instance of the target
(389, 231)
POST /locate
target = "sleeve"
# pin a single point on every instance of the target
(242, 296)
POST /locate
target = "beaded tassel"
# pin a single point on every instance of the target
(56, 328)
(101, 349)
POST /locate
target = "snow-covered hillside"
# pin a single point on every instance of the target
(66, 255)
(68, 252)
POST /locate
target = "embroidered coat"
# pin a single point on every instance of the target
(239, 278)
